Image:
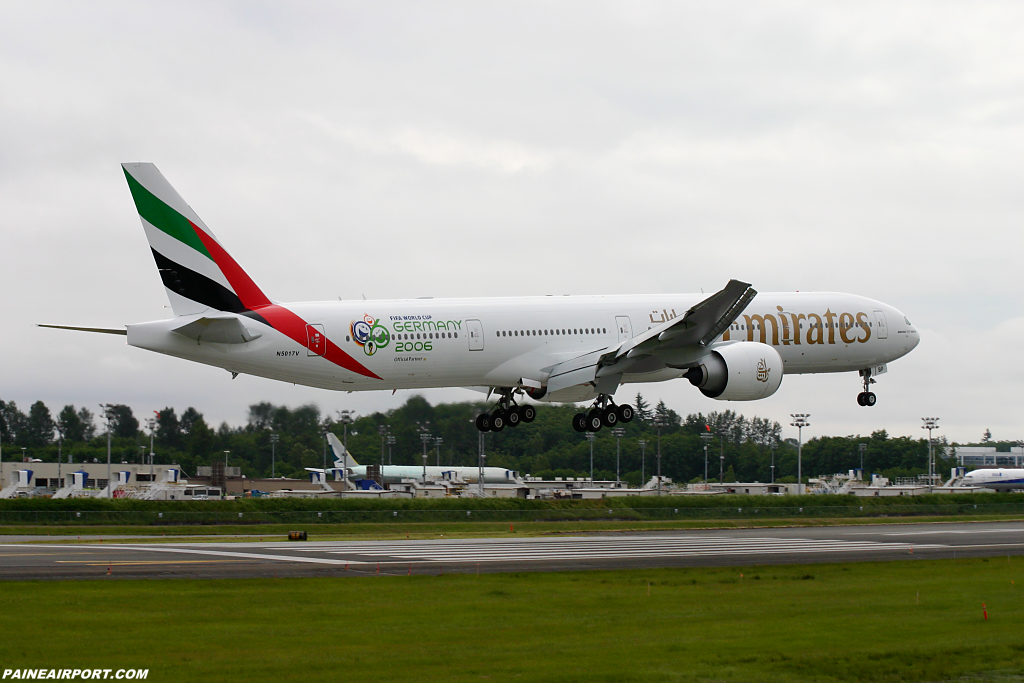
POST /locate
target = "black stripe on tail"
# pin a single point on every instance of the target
(196, 287)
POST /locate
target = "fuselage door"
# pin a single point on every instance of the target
(316, 340)
(881, 330)
(787, 333)
(476, 335)
(625, 329)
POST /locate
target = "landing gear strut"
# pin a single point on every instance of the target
(604, 413)
(866, 397)
(505, 413)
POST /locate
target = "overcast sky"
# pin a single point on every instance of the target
(478, 149)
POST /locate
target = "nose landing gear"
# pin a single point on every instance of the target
(866, 397)
(604, 413)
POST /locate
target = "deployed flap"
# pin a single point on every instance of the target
(225, 329)
(579, 370)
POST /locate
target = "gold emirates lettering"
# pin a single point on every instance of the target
(821, 329)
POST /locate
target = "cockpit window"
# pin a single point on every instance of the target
(907, 320)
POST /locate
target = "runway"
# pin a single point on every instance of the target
(734, 547)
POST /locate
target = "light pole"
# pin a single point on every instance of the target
(721, 456)
(658, 423)
(425, 438)
(773, 444)
(590, 436)
(152, 429)
(706, 438)
(60, 456)
(799, 421)
(480, 459)
(324, 434)
(437, 444)
(619, 432)
(106, 415)
(642, 443)
(346, 417)
(391, 442)
(384, 431)
(862, 447)
(930, 423)
(274, 438)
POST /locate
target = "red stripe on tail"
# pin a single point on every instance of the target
(279, 317)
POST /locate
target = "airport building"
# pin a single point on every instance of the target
(973, 457)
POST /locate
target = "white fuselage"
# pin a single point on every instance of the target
(507, 342)
(396, 474)
(998, 479)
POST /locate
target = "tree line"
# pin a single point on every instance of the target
(726, 443)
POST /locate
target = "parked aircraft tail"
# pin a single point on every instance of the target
(341, 457)
(196, 270)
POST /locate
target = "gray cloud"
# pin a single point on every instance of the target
(467, 149)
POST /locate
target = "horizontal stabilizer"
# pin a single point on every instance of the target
(101, 330)
(218, 330)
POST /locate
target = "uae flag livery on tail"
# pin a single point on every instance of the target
(198, 272)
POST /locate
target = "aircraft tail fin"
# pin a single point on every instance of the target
(196, 270)
(342, 458)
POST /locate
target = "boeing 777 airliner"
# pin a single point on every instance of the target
(733, 345)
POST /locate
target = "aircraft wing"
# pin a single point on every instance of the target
(675, 343)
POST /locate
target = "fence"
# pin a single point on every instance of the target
(170, 517)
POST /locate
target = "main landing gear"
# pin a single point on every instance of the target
(866, 397)
(604, 413)
(505, 414)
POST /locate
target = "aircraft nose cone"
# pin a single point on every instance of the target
(913, 339)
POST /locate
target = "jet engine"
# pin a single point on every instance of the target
(738, 371)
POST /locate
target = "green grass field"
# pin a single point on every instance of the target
(896, 621)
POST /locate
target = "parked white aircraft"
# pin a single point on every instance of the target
(998, 479)
(396, 474)
(732, 345)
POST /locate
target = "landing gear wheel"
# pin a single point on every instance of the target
(483, 422)
(529, 413)
(513, 417)
(869, 398)
(625, 413)
(579, 422)
(609, 417)
(595, 420)
(497, 420)
(860, 398)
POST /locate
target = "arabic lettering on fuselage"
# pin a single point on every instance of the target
(664, 316)
(787, 328)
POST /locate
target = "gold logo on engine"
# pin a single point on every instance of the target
(762, 371)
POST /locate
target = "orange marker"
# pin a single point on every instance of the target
(984, 612)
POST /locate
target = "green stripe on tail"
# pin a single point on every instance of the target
(164, 217)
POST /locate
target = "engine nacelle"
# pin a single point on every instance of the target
(740, 371)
